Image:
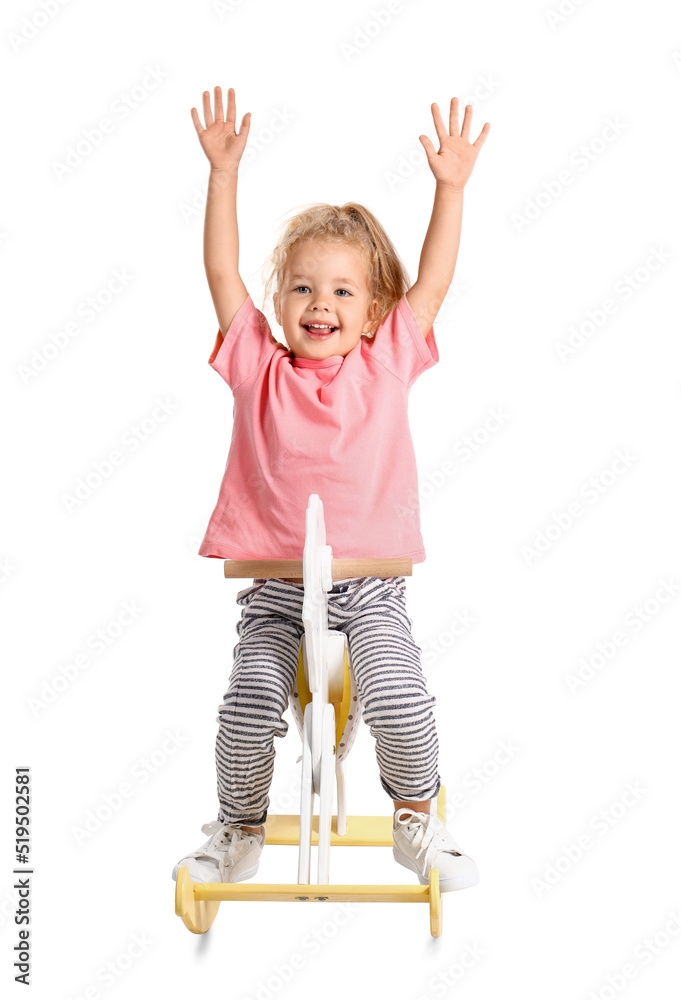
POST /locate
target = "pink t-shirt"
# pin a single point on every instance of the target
(337, 427)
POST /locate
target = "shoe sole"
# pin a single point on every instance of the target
(446, 884)
(249, 873)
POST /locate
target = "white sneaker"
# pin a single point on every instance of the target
(230, 855)
(422, 842)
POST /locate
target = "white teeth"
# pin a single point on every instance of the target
(319, 326)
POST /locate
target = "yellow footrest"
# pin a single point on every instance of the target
(360, 831)
(315, 893)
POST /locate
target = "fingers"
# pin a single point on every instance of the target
(207, 113)
(483, 135)
(466, 126)
(454, 122)
(231, 108)
(197, 121)
(231, 113)
(219, 112)
(428, 146)
(453, 115)
(439, 124)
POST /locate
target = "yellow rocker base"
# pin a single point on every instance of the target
(197, 902)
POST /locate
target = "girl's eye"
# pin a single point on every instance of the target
(298, 287)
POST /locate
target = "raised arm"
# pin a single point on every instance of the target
(224, 148)
(451, 165)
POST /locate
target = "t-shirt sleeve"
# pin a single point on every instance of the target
(399, 345)
(247, 345)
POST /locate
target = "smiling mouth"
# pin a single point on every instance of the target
(319, 330)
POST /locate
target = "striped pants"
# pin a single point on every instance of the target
(391, 687)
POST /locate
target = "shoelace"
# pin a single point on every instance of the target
(231, 841)
(418, 823)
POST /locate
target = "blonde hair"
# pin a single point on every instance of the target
(351, 225)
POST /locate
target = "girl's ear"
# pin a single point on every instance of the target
(371, 316)
(275, 302)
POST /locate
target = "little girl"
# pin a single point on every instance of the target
(327, 415)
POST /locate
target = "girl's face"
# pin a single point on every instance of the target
(324, 284)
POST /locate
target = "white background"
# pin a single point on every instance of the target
(539, 921)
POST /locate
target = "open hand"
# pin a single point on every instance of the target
(219, 139)
(453, 162)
